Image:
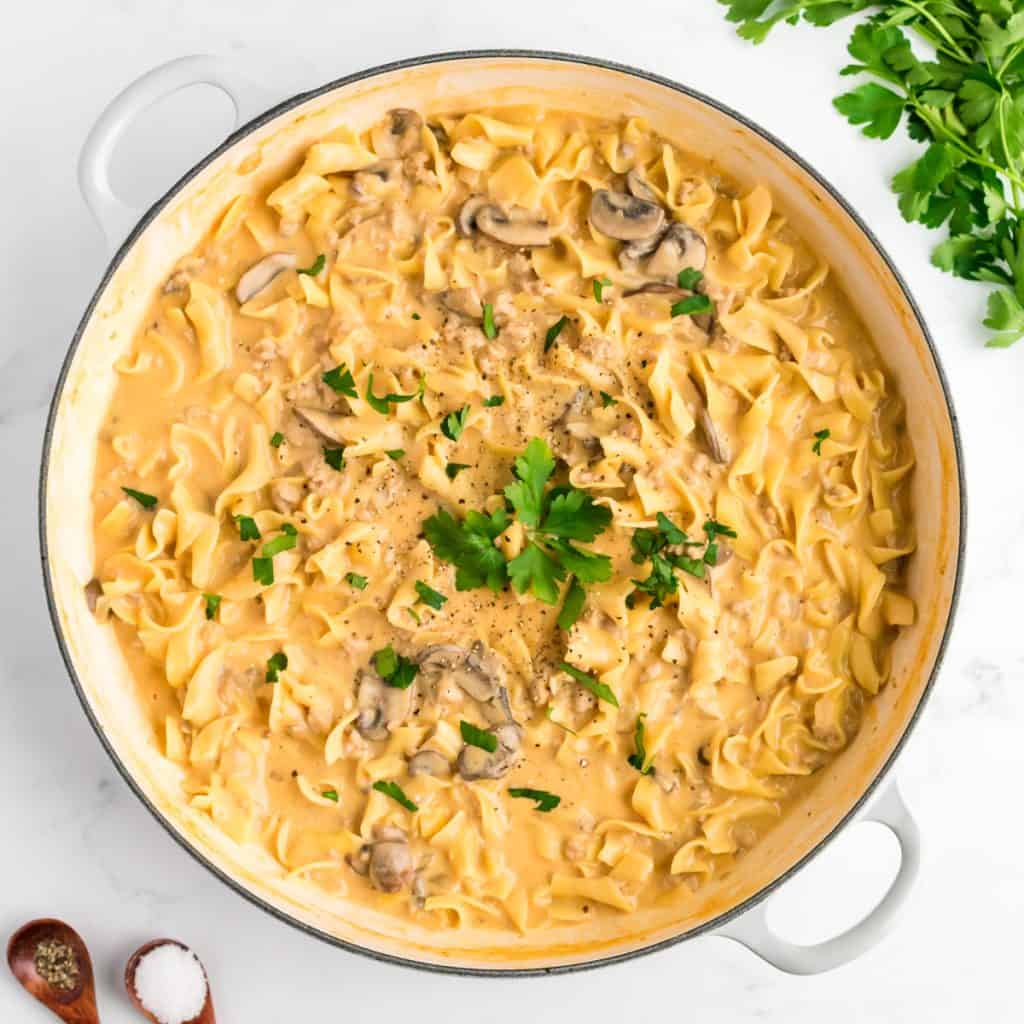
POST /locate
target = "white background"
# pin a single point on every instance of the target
(75, 842)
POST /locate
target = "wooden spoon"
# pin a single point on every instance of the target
(205, 1015)
(76, 1005)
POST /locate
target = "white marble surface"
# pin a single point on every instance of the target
(75, 841)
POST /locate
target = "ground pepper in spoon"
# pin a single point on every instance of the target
(168, 984)
(50, 960)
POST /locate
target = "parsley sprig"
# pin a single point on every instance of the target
(966, 104)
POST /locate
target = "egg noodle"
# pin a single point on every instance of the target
(502, 519)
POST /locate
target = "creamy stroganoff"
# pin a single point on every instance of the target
(502, 518)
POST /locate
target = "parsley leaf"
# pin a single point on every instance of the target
(469, 546)
(535, 570)
(572, 604)
(383, 404)
(600, 283)
(212, 604)
(589, 682)
(144, 499)
(395, 453)
(330, 794)
(395, 791)
(691, 305)
(478, 737)
(489, 326)
(276, 663)
(247, 528)
(263, 571)
(335, 458)
(277, 439)
(341, 381)
(429, 596)
(574, 515)
(820, 436)
(397, 671)
(453, 469)
(454, 423)
(532, 470)
(353, 579)
(639, 756)
(314, 268)
(689, 278)
(285, 542)
(661, 547)
(607, 400)
(545, 801)
(493, 401)
(551, 336)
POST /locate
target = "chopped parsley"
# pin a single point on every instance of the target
(600, 283)
(454, 423)
(545, 801)
(247, 528)
(394, 790)
(820, 436)
(691, 305)
(416, 316)
(469, 546)
(478, 737)
(549, 713)
(600, 690)
(263, 571)
(314, 268)
(453, 469)
(490, 328)
(572, 605)
(144, 499)
(554, 331)
(383, 405)
(212, 604)
(638, 758)
(689, 278)
(330, 794)
(394, 669)
(353, 579)
(394, 454)
(340, 380)
(494, 400)
(276, 663)
(285, 542)
(607, 400)
(429, 596)
(277, 440)
(335, 458)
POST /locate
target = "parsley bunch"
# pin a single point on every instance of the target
(666, 549)
(966, 104)
(553, 518)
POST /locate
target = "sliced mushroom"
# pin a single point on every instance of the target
(259, 275)
(437, 130)
(326, 424)
(381, 707)
(429, 762)
(463, 301)
(466, 221)
(638, 187)
(377, 177)
(716, 444)
(473, 671)
(475, 763)
(680, 248)
(515, 226)
(398, 134)
(93, 592)
(625, 217)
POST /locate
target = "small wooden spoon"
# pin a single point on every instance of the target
(76, 1005)
(205, 1015)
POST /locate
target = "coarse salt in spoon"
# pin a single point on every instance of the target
(50, 960)
(168, 984)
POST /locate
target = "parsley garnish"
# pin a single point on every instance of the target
(690, 305)
(212, 604)
(963, 98)
(330, 794)
(820, 436)
(607, 400)
(353, 579)
(263, 571)
(341, 380)
(277, 439)
(285, 542)
(315, 268)
(589, 682)
(454, 423)
(276, 663)
(689, 278)
(335, 458)
(416, 316)
(394, 669)
(494, 400)
(144, 499)
(554, 331)
(395, 454)
(429, 596)
(600, 283)
(383, 405)
(572, 605)
(549, 713)
(247, 528)
(394, 790)
(469, 546)
(545, 801)
(490, 328)
(478, 737)
(639, 756)
(453, 469)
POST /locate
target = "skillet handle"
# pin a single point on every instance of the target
(751, 929)
(115, 217)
